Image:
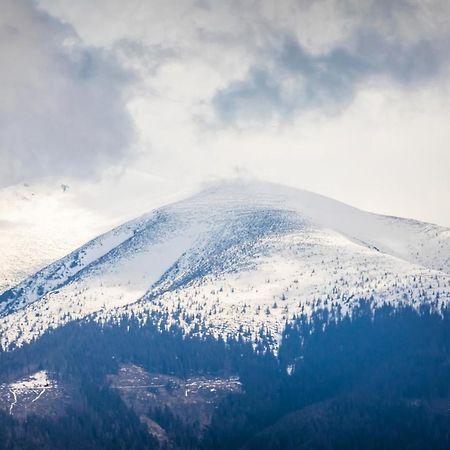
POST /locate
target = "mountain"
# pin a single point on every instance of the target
(249, 315)
(41, 221)
(238, 257)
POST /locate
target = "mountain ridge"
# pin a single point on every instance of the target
(236, 255)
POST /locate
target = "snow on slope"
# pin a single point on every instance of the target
(38, 224)
(43, 220)
(235, 256)
(30, 394)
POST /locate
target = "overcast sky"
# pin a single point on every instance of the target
(348, 98)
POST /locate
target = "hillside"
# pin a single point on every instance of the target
(237, 256)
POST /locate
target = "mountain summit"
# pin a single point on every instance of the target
(238, 256)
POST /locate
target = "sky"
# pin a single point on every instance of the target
(347, 98)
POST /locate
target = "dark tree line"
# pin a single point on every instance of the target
(377, 379)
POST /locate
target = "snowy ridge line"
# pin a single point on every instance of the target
(237, 255)
(70, 268)
(226, 249)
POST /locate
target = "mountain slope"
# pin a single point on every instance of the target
(40, 222)
(236, 257)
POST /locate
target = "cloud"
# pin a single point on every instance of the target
(62, 103)
(353, 90)
(291, 79)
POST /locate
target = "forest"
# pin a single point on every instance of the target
(379, 378)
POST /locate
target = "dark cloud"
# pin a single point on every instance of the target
(291, 79)
(62, 104)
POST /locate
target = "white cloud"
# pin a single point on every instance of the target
(373, 133)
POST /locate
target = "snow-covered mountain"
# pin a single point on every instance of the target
(238, 256)
(38, 224)
(43, 220)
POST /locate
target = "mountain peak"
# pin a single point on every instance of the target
(237, 254)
